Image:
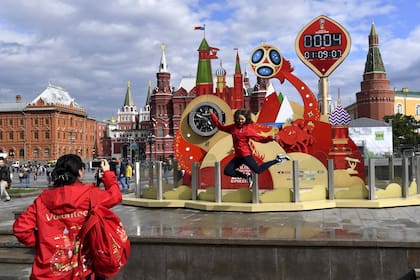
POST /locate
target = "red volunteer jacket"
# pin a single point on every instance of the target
(54, 219)
(241, 136)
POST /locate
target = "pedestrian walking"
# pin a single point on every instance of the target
(5, 179)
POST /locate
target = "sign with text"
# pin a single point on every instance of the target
(322, 45)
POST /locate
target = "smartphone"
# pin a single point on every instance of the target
(96, 164)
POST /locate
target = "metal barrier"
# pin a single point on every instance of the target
(410, 171)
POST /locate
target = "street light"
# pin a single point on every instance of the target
(130, 149)
(150, 140)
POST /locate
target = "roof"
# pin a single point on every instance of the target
(367, 122)
(55, 95)
(12, 106)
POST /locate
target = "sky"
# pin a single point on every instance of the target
(92, 48)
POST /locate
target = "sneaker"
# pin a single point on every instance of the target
(280, 158)
(250, 181)
(7, 199)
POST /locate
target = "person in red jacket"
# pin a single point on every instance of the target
(51, 224)
(242, 130)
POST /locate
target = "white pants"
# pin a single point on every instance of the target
(3, 185)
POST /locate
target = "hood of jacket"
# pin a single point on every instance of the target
(66, 199)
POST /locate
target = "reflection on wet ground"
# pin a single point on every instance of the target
(346, 224)
(398, 224)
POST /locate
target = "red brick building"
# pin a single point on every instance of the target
(52, 125)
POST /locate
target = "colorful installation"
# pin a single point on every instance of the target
(303, 134)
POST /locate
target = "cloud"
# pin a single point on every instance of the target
(93, 49)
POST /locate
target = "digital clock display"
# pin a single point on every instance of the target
(322, 45)
(322, 40)
(325, 54)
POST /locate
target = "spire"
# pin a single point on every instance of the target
(128, 97)
(238, 63)
(374, 63)
(163, 67)
(339, 97)
(204, 79)
(149, 93)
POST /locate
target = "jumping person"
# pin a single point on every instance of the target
(242, 130)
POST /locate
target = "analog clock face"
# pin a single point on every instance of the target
(200, 121)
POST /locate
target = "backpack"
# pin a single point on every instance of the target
(104, 239)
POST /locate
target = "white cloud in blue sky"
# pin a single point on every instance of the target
(91, 48)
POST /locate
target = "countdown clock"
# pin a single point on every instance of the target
(322, 45)
(200, 121)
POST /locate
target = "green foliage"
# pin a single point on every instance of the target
(404, 130)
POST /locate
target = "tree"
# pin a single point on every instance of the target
(404, 130)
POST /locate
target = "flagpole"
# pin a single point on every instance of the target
(204, 25)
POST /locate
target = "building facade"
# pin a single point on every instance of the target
(150, 132)
(52, 125)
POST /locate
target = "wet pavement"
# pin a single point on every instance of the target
(397, 224)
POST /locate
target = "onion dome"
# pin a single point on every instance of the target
(220, 71)
(339, 116)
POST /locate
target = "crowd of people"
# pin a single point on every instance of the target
(24, 174)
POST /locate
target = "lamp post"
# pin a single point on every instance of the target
(150, 140)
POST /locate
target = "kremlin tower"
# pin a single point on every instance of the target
(376, 98)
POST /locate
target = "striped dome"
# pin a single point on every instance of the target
(339, 116)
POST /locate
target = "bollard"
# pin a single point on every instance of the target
(405, 177)
(371, 179)
(159, 193)
(217, 183)
(194, 180)
(150, 173)
(418, 173)
(138, 184)
(391, 168)
(413, 167)
(255, 193)
(175, 173)
(330, 179)
(295, 174)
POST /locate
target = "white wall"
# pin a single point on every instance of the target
(376, 140)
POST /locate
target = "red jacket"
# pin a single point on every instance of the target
(54, 219)
(241, 136)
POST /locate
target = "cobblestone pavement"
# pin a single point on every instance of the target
(398, 224)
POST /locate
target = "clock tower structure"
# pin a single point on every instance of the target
(161, 112)
(376, 98)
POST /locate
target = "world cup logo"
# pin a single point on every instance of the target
(266, 61)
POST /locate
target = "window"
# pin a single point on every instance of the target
(399, 109)
(22, 135)
(36, 136)
(47, 122)
(11, 121)
(21, 121)
(11, 135)
(379, 135)
(47, 152)
(21, 153)
(36, 153)
(47, 135)
(36, 121)
(1, 135)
